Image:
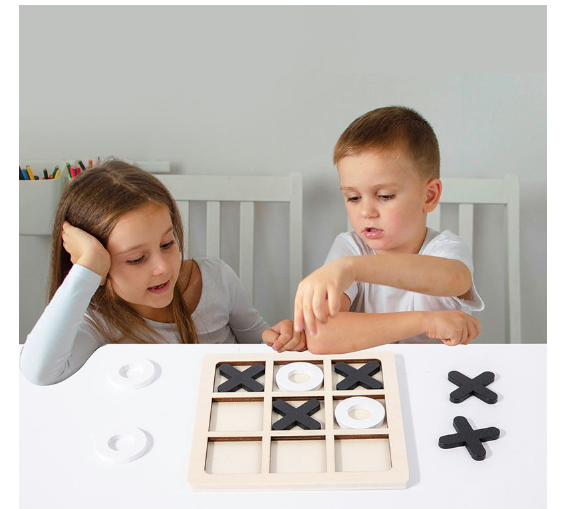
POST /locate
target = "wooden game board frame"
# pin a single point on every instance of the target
(394, 478)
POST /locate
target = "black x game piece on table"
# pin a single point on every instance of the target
(361, 376)
(472, 387)
(469, 437)
(300, 416)
(241, 379)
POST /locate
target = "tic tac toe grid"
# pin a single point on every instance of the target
(235, 448)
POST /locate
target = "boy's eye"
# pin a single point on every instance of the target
(386, 197)
(352, 198)
(136, 261)
(167, 245)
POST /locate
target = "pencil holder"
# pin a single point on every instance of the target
(39, 200)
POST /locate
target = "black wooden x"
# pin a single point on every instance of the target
(241, 379)
(469, 437)
(300, 416)
(361, 376)
(472, 386)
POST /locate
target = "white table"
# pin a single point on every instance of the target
(58, 426)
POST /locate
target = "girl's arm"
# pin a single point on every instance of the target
(61, 341)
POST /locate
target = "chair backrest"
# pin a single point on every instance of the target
(466, 192)
(247, 191)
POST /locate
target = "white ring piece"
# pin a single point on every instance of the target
(297, 368)
(136, 374)
(132, 444)
(374, 407)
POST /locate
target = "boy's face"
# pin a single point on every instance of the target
(386, 200)
(145, 259)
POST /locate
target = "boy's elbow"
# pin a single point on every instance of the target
(322, 343)
(315, 346)
(463, 279)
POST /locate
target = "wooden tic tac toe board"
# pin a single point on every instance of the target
(237, 444)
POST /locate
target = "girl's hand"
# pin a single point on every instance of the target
(320, 292)
(84, 249)
(281, 337)
(452, 327)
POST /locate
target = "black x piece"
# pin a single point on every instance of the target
(469, 437)
(241, 379)
(472, 386)
(300, 416)
(361, 376)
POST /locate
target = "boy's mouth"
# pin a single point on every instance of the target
(372, 233)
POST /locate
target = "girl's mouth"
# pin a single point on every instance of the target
(160, 288)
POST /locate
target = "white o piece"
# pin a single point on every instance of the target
(121, 444)
(136, 374)
(283, 377)
(375, 409)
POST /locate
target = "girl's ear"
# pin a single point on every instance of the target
(432, 196)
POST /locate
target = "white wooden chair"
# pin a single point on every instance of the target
(466, 192)
(247, 191)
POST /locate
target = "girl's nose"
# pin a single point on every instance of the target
(161, 266)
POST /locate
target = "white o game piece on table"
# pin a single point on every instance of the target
(121, 444)
(297, 368)
(374, 407)
(136, 374)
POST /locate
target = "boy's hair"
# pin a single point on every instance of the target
(392, 128)
(94, 201)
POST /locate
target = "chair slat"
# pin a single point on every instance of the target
(466, 224)
(214, 229)
(246, 249)
(513, 242)
(295, 237)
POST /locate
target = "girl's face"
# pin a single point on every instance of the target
(145, 259)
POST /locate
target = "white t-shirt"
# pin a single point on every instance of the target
(372, 298)
(62, 340)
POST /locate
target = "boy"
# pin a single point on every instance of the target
(404, 282)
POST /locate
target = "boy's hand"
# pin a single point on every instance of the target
(281, 337)
(319, 294)
(452, 327)
(84, 249)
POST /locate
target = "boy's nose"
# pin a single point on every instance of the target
(369, 210)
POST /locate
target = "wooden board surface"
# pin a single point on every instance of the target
(235, 448)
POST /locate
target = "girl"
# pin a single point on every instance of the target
(118, 276)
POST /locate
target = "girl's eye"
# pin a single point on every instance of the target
(387, 197)
(167, 245)
(353, 198)
(136, 261)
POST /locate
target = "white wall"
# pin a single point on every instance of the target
(268, 90)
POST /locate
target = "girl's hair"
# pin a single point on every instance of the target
(94, 201)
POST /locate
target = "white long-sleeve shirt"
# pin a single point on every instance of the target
(63, 340)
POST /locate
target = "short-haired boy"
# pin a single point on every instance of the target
(403, 281)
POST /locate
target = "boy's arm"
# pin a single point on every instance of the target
(349, 332)
(429, 275)
(282, 337)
